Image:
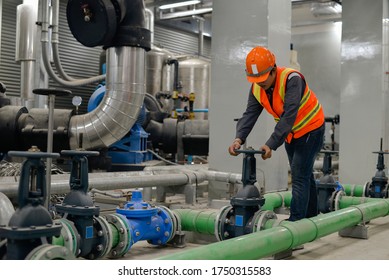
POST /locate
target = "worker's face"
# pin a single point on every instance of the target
(268, 83)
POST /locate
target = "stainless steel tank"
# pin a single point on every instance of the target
(159, 75)
(194, 75)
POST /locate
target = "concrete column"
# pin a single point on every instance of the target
(238, 26)
(363, 101)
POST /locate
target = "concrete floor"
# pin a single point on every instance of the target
(335, 247)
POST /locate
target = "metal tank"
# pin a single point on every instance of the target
(194, 76)
(159, 75)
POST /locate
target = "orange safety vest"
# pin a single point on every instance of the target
(310, 114)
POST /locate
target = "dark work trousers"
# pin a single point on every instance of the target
(302, 153)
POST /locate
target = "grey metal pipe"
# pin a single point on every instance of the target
(50, 71)
(27, 76)
(211, 175)
(120, 107)
(55, 41)
(6, 209)
(25, 52)
(150, 24)
(111, 181)
(46, 53)
(50, 137)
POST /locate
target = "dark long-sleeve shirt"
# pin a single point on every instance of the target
(294, 91)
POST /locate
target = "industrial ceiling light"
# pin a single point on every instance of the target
(185, 13)
(179, 4)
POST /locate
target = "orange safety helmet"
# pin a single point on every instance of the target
(259, 62)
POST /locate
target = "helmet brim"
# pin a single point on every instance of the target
(259, 79)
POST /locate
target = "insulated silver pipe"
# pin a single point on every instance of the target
(111, 181)
(150, 24)
(55, 41)
(44, 5)
(219, 176)
(27, 76)
(6, 209)
(25, 52)
(120, 107)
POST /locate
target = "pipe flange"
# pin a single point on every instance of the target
(75, 210)
(168, 228)
(50, 252)
(33, 232)
(352, 189)
(365, 187)
(220, 220)
(120, 223)
(176, 221)
(282, 199)
(71, 237)
(104, 239)
(332, 201)
(338, 196)
(261, 217)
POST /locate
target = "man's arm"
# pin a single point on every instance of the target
(246, 123)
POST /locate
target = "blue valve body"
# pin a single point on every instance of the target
(147, 222)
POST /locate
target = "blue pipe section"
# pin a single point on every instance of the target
(147, 222)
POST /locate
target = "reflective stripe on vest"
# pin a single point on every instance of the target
(310, 113)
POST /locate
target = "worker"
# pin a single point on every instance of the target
(285, 94)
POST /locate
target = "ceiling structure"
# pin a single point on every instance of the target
(188, 13)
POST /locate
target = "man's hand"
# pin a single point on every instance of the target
(235, 146)
(267, 153)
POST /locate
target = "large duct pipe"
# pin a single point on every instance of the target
(125, 79)
(120, 107)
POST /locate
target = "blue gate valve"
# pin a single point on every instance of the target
(155, 224)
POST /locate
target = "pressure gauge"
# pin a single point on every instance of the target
(76, 100)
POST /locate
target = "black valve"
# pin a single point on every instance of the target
(326, 185)
(79, 182)
(31, 225)
(79, 209)
(237, 219)
(378, 188)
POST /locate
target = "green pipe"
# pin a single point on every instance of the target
(58, 241)
(346, 201)
(203, 221)
(115, 236)
(354, 190)
(285, 236)
(276, 200)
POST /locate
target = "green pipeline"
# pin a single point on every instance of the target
(288, 235)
